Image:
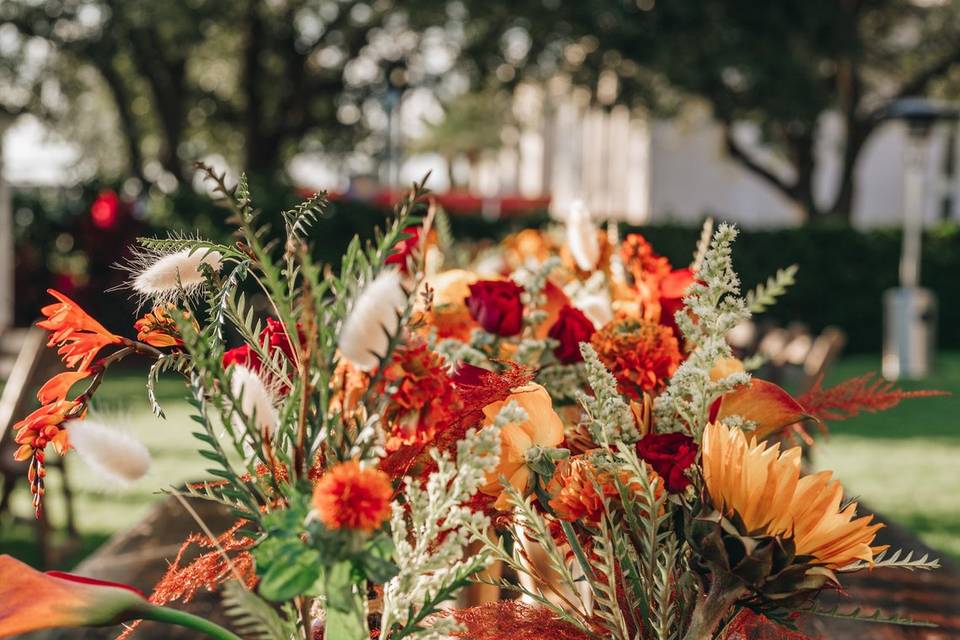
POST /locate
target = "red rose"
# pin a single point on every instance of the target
(404, 248)
(673, 288)
(271, 337)
(670, 454)
(496, 305)
(570, 329)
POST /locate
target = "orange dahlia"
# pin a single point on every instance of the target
(640, 354)
(78, 336)
(763, 488)
(421, 396)
(641, 262)
(449, 313)
(350, 497)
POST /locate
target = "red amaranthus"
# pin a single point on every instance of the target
(851, 397)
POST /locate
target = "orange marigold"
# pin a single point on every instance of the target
(350, 497)
(78, 336)
(574, 489)
(421, 396)
(641, 355)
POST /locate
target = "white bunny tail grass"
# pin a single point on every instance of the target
(366, 331)
(161, 276)
(116, 455)
(582, 237)
(255, 399)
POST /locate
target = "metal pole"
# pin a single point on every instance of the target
(6, 240)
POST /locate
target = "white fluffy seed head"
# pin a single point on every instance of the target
(255, 399)
(116, 455)
(374, 317)
(167, 274)
(582, 237)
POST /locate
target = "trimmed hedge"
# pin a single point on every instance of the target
(843, 272)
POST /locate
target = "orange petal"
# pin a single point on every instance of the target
(30, 600)
(56, 388)
(764, 403)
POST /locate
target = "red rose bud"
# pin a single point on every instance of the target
(404, 248)
(571, 328)
(496, 305)
(673, 288)
(670, 454)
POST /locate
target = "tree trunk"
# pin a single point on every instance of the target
(857, 134)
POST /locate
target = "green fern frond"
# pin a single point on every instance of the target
(299, 219)
(764, 296)
(252, 616)
(859, 615)
(895, 559)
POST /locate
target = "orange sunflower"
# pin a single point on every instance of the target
(763, 487)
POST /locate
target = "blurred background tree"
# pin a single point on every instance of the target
(781, 65)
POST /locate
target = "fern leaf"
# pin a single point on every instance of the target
(253, 617)
(765, 295)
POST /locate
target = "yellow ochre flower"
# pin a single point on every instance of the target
(763, 487)
(543, 427)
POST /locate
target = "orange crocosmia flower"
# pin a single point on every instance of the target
(43, 427)
(30, 600)
(641, 355)
(763, 487)
(57, 387)
(350, 497)
(543, 427)
(78, 336)
(158, 329)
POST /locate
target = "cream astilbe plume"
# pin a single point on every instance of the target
(582, 237)
(255, 400)
(161, 277)
(374, 318)
(116, 455)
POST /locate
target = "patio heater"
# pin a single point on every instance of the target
(910, 311)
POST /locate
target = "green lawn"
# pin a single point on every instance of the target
(904, 462)
(101, 508)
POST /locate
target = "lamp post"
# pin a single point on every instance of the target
(910, 311)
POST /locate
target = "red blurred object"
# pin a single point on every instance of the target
(456, 202)
(105, 209)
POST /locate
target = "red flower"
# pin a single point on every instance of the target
(348, 497)
(571, 328)
(670, 455)
(422, 400)
(673, 288)
(496, 305)
(271, 337)
(405, 248)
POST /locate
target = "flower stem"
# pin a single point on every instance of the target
(190, 621)
(725, 590)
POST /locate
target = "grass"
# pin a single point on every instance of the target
(100, 508)
(902, 462)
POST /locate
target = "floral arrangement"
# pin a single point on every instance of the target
(388, 432)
